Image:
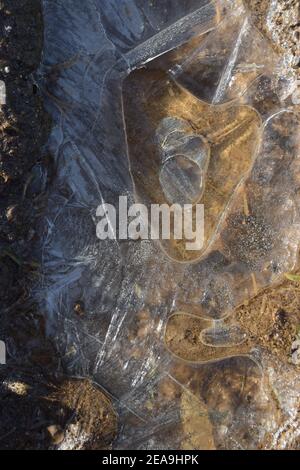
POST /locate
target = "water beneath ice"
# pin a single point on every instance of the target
(169, 101)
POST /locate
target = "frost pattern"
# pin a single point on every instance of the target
(159, 331)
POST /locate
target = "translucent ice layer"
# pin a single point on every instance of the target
(170, 101)
(184, 162)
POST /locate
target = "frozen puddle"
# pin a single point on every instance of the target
(170, 101)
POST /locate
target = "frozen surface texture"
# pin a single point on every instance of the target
(168, 101)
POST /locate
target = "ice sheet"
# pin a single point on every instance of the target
(174, 386)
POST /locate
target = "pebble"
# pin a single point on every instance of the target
(296, 352)
(56, 434)
(79, 308)
(2, 92)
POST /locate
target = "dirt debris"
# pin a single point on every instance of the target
(24, 129)
(279, 21)
(272, 319)
(41, 412)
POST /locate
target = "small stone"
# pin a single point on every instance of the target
(2, 93)
(10, 213)
(296, 352)
(56, 434)
(19, 388)
(79, 308)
